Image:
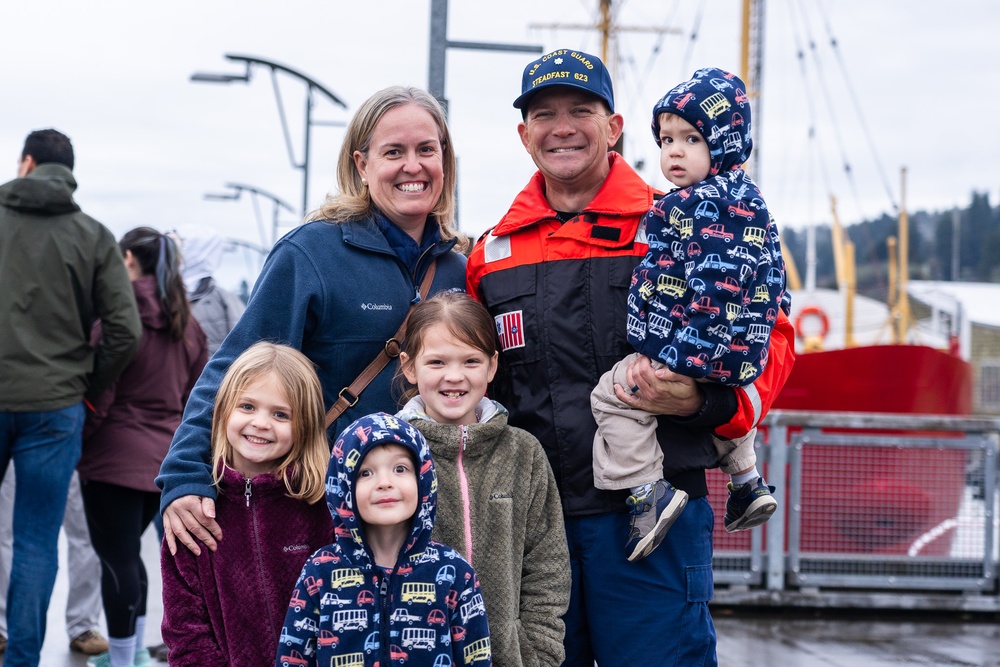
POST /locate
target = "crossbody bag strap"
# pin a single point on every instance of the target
(349, 395)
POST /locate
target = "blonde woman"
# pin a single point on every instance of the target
(338, 286)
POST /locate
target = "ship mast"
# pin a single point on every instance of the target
(609, 31)
(604, 25)
(843, 261)
(901, 308)
(751, 71)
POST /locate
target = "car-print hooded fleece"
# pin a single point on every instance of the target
(427, 611)
(713, 279)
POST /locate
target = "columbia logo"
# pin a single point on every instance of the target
(291, 548)
(500, 496)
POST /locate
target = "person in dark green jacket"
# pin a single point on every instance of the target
(60, 270)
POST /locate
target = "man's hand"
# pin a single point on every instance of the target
(660, 391)
(189, 517)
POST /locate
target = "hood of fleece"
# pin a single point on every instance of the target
(47, 190)
(201, 252)
(415, 409)
(351, 447)
(716, 103)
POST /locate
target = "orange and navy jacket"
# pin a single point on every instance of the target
(558, 292)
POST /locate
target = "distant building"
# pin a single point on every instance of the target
(976, 309)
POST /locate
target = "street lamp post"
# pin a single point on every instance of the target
(437, 60)
(439, 45)
(255, 193)
(311, 87)
(251, 253)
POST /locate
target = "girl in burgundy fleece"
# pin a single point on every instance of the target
(269, 453)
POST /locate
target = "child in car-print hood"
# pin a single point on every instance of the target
(425, 606)
(702, 302)
(714, 265)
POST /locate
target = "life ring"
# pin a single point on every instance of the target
(816, 311)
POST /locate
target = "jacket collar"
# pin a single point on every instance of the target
(236, 479)
(415, 408)
(366, 234)
(446, 439)
(47, 190)
(622, 200)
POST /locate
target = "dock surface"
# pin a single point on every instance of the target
(793, 638)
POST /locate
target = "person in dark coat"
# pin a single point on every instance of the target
(129, 432)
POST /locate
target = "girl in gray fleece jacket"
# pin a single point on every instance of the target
(497, 499)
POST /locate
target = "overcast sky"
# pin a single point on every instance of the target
(911, 83)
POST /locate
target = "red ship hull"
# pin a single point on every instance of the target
(909, 379)
(877, 499)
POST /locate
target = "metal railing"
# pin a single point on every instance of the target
(869, 505)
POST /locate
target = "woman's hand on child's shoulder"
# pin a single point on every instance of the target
(191, 517)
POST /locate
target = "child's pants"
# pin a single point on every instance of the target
(626, 453)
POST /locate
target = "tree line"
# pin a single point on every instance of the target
(932, 247)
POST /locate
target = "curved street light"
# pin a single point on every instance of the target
(253, 257)
(311, 85)
(255, 193)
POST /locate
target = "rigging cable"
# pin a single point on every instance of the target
(864, 229)
(686, 61)
(638, 92)
(814, 136)
(858, 108)
(825, 90)
(620, 66)
(654, 52)
(625, 88)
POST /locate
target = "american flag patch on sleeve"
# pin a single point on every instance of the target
(510, 330)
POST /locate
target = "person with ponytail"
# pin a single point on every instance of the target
(128, 432)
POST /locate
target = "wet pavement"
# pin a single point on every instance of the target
(793, 638)
(55, 650)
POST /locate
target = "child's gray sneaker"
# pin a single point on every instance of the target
(652, 515)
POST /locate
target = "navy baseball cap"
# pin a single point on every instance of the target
(565, 67)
